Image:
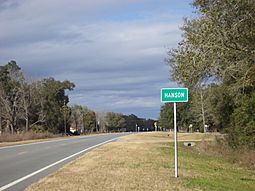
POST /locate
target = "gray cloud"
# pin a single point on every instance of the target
(117, 63)
(7, 4)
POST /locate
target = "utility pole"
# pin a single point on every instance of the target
(202, 108)
(64, 111)
(0, 125)
(65, 121)
(96, 124)
(0, 121)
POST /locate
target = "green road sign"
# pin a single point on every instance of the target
(174, 95)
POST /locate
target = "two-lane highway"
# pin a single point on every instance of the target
(22, 165)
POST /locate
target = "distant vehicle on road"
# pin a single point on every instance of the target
(74, 131)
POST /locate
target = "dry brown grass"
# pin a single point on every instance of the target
(126, 165)
(169, 137)
(8, 137)
(241, 156)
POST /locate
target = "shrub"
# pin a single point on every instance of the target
(38, 129)
(242, 129)
(241, 155)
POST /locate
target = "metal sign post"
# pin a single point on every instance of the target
(173, 95)
(175, 143)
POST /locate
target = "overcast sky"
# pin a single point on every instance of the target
(113, 50)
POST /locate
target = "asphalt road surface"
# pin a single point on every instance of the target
(21, 165)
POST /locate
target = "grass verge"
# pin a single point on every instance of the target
(145, 162)
(8, 139)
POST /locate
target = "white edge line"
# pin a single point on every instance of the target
(51, 165)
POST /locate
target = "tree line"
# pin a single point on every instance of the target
(43, 106)
(216, 61)
(36, 105)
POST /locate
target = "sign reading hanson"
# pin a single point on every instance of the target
(174, 95)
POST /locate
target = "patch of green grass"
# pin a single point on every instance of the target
(212, 173)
